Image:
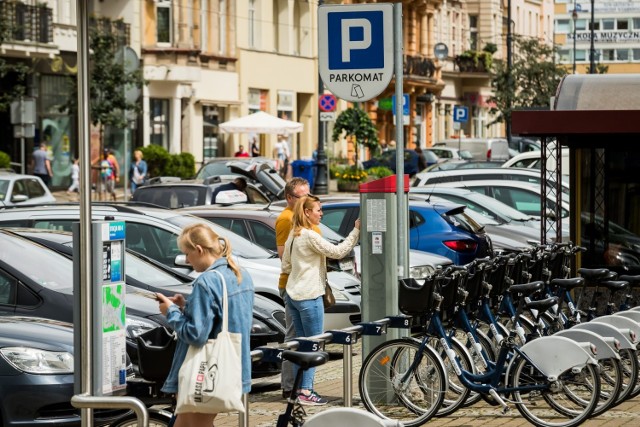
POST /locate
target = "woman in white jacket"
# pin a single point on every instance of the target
(304, 259)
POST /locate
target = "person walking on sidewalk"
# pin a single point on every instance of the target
(138, 171)
(75, 177)
(293, 190)
(305, 261)
(41, 165)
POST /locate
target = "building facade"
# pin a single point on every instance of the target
(616, 31)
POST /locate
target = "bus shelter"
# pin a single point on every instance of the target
(598, 118)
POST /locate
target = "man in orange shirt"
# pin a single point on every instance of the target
(295, 189)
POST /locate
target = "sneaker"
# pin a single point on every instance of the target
(313, 399)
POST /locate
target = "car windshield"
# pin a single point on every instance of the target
(484, 203)
(329, 234)
(241, 246)
(51, 270)
(481, 218)
(215, 168)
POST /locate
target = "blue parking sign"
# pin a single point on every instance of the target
(460, 114)
(356, 40)
(355, 49)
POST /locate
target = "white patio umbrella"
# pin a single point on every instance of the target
(261, 122)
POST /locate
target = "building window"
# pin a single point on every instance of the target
(596, 25)
(163, 21)
(204, 26)
(622, 54)
(257, 100)
(581, 24)
(222, 26)
(213, 139)
(562, 26)
(159, 122)
(622, 24)
(473, 32)
(608, 24)
(564, 56)
(608, 54)
(581, 55)
(636, 54)
(636, 23)
(252, 23)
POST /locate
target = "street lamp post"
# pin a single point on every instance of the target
(574, 17)
(321, 184)
(509, 69)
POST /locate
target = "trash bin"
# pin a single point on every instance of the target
(306, 169)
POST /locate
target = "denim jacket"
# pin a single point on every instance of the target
(202, 318)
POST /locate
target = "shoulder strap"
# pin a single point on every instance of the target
(291, 247)
(225, 309)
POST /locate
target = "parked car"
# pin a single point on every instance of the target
(438, 227)
(512, 174)
(220, 167)
(533, 160)
(448, 153)
(462, 164)
(20, 190)
(154, 233)
(144, 273)
(258, 225)
(388, 159)
(494, 149)
(37, 374)
(519, 144)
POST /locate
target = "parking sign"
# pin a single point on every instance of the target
(460, 114)
(355, 48)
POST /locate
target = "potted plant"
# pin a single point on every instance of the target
(349, 178)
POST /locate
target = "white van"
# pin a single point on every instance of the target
(492, 149)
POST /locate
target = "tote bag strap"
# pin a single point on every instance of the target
(225, 305)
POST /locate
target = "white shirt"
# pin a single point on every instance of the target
(306, 262)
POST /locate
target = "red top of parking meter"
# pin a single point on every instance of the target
(384, 185)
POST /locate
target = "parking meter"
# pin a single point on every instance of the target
(379, 253)
(108, 322)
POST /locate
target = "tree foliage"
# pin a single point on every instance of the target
(108, 79)
(534, 78)
(13, 75)
(356, 124)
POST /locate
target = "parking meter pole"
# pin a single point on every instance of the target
(83, 316)
(402, 211)
(379, 252)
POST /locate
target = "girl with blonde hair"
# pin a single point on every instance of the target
(304, 259)
(199, 317)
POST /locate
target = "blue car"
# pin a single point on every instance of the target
(439, 227)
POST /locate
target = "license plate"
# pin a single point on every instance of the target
(346, 265)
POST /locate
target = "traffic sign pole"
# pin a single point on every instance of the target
(401, 203)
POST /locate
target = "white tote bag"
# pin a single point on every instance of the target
(210, 378)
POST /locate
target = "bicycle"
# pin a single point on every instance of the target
(561, 389)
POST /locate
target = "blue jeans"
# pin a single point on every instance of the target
(308, 320)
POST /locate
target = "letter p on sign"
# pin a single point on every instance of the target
(349, 44)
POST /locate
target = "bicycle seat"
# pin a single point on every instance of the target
(614, 285)
(543, 304)
(593, 273)
(568, 284)
(633, 280)
(306, 360)
(526, 288)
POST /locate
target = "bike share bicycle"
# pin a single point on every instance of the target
(155, 353)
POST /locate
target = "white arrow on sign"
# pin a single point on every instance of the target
(355, 49)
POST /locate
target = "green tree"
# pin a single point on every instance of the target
(534, 78)
(108, 78)
(13, 75)
(357, 124)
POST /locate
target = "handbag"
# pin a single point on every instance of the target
(210, 378)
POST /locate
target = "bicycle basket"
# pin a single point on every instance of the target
(155, 353)
(415, 299)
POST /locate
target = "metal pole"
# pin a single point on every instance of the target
(592, 59)
(509, 70)
(22, 156)
(403, 245)
(126, 161)
(86, 266)
(321, 185)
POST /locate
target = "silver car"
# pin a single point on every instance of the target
(19, 190)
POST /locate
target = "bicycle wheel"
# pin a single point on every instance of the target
(630, 374)
(457, 394)
(566, 402)
(156, 419)
(611, 381)
(636, 386)
(387, 393)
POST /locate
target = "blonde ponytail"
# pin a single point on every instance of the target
(226, 252)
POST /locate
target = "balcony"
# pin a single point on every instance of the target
(419, 66)
(26, 23)
(472, 61)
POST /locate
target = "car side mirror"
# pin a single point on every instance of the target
(181, 261)
(18, 198)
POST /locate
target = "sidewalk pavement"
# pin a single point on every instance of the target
(266, 402)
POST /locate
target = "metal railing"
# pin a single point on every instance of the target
(27, 23)
(347, 337)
